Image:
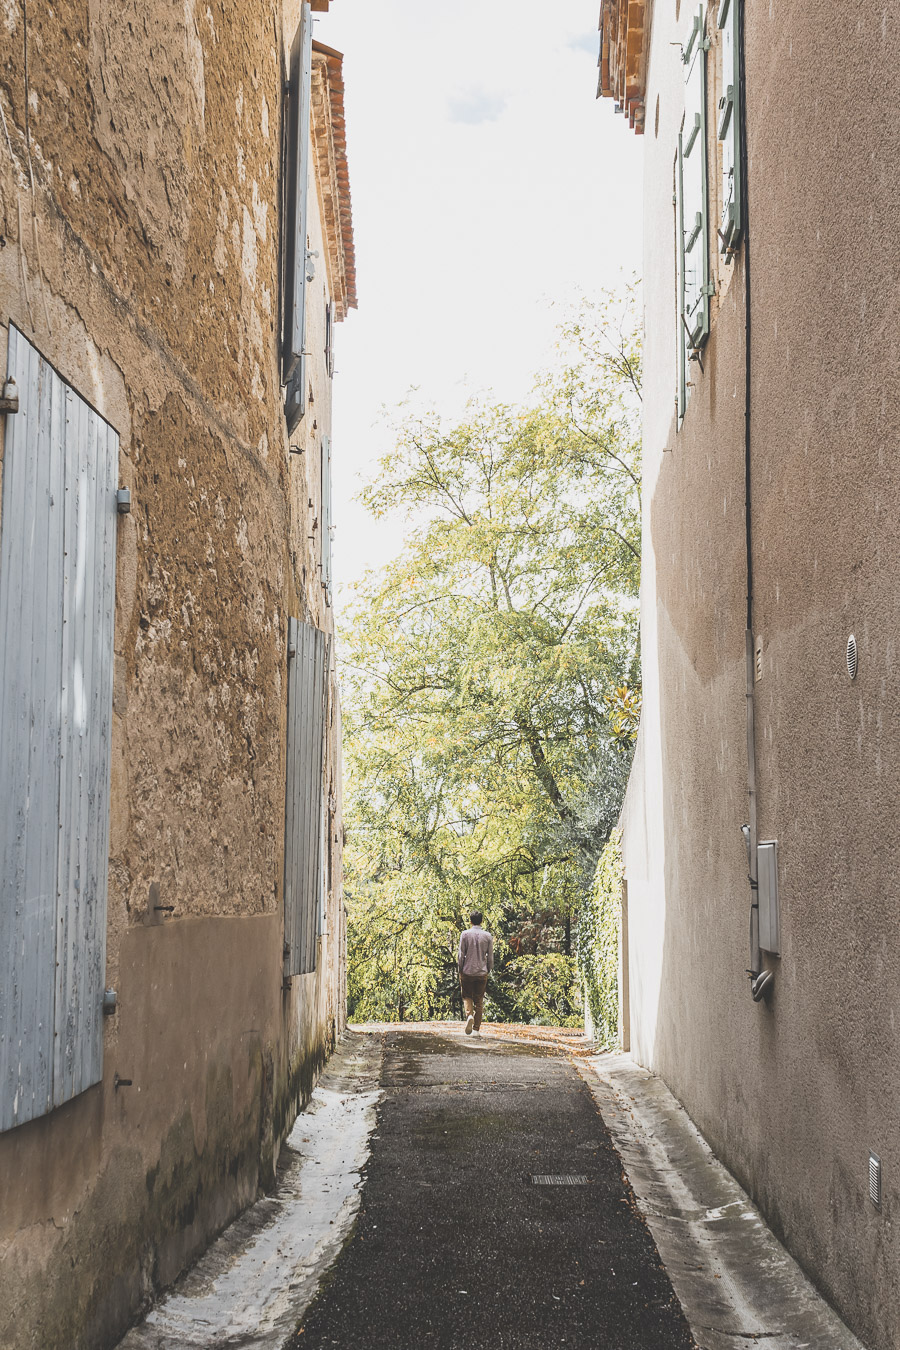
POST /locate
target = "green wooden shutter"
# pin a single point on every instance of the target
(681, 335)
(695, 209)
(296, 123)
(729, 126)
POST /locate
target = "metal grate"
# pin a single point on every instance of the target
(563, 1179)
(875, 1179)
(851, 657)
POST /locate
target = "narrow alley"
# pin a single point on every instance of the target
(515, 1191)
(494, 1213)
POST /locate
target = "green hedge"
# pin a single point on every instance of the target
(598, 944)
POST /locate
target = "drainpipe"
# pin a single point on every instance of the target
(760, 980)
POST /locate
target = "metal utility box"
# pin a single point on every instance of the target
(769, 913)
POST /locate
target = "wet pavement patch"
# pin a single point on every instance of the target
(471, 1232)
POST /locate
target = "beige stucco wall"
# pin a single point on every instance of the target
(794, 1093)
(154, 290)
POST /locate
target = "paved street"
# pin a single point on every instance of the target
(471, 1232)
(408, 1199)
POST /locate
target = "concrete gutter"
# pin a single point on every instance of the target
(255, 1282)
(736, 1283)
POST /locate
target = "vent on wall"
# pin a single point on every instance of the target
(875, 1180)
(851, 657)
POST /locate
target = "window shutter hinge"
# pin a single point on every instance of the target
(9, 402)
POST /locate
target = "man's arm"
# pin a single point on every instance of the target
(491, 956)
(461, 954)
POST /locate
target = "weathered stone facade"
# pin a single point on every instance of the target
(140, 215)
(769, 483)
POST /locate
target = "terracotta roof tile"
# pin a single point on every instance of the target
(332, 175)
(624, 43)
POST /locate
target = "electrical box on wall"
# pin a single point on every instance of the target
(767, 894)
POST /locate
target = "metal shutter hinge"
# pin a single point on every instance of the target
(9, 403)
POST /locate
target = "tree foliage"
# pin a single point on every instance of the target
(598, 944)
(491, 678)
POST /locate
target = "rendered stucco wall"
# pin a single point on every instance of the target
(150, 279)
(792, 1094)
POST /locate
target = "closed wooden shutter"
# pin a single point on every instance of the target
(681, 331)
(57, 603)
(694, 187)
(304, 791)
(297, 160)
(729, 125)
(326, 519)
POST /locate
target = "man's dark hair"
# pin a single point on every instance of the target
(476, 916)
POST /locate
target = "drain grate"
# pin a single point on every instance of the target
(561, 1179)
(875, 1180)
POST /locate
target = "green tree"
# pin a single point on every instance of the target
(490, 675)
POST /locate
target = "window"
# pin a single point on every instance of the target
(297, 161)
(304, 795)
(729, 126)
(57, 614)
(692, 208)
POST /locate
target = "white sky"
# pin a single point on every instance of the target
(486, 182)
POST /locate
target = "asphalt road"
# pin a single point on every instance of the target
(457, 1247)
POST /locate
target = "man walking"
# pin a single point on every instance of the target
(476, 961)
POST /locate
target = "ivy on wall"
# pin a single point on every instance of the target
(598, 945)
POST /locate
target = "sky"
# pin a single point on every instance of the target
(489, 189)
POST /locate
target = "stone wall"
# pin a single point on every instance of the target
(140, 181)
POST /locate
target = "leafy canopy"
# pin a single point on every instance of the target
(491, 681)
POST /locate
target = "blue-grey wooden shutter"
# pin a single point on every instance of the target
(296, 122)
(729, 126)
(325, 542)
(697, 282)
(57, 601)
(304, 789)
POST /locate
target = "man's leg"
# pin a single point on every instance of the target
(479, 1006)
(468, 1009)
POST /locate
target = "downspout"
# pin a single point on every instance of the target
(761, 980)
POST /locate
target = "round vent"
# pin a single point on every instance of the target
(851, 657)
